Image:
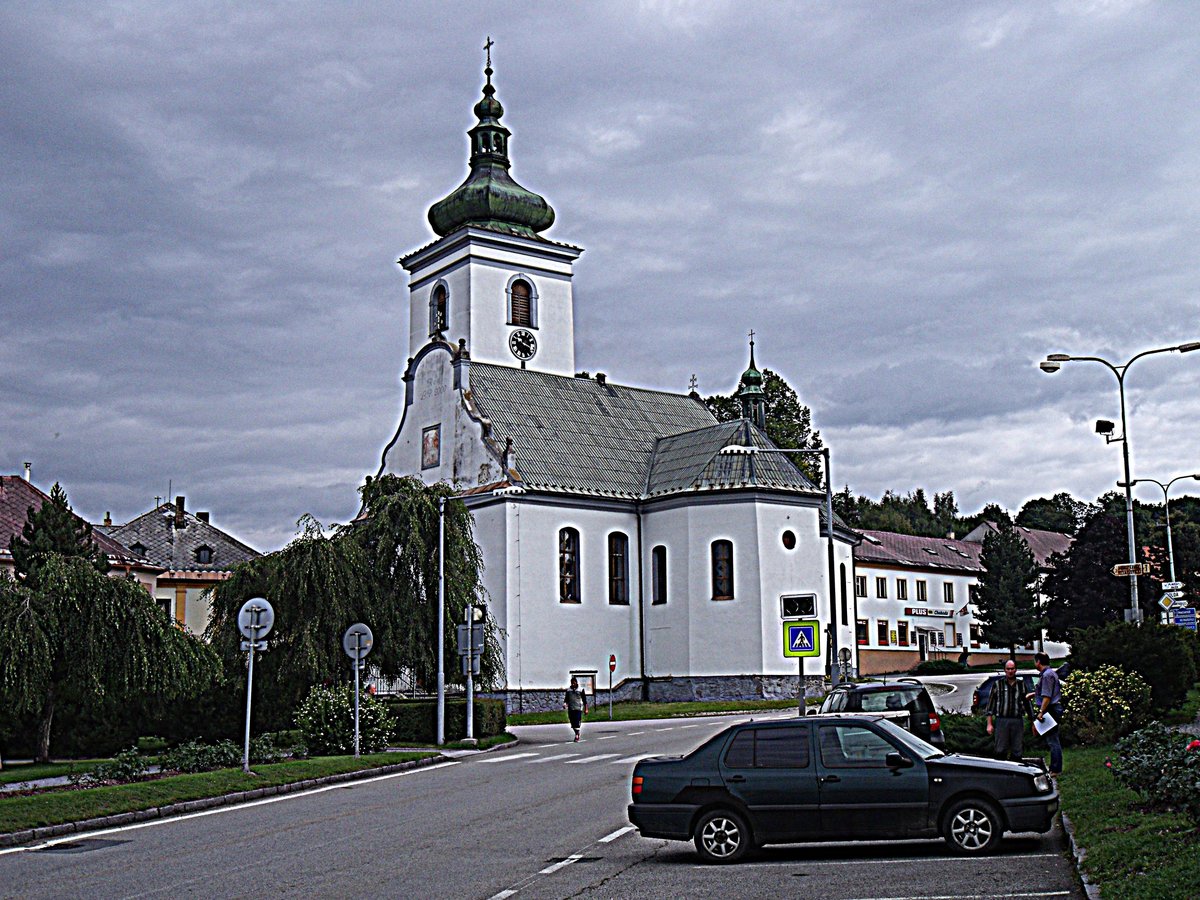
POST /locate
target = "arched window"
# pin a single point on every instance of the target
(658, 575)
(722, 570)
(522, 303)
(568, 566)
(439, 309)
(618, 569)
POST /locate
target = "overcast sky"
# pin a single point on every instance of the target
(202, 204)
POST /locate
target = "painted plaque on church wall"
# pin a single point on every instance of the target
(431, 447)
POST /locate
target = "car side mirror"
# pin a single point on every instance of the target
(898, 761)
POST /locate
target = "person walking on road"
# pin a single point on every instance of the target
(1007, 709)
(575, 703)
(1048, 700)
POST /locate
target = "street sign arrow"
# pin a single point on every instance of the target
(1174, 595)
(1172, 585)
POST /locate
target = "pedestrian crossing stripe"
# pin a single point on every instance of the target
(801, 639)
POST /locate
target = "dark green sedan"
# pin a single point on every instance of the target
(833, 778)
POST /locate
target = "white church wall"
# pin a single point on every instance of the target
(457, 280)
(554, 328)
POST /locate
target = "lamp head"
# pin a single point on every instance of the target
(1105, 427)
(1049, 366)
(1188, 347)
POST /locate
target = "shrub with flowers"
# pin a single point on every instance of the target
(1104, 703)
(1163, 765)
(326, 718)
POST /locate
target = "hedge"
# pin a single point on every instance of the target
(416, 720)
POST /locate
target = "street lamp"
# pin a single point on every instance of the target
(823, 452)
(1167, 509)
(1052, 364)
(441, 651)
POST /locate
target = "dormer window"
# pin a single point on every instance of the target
(522, 302)
(204, 555)
(439, 308)
(138, 549)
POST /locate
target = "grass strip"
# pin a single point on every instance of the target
(57, 807)
(1133, 852)
(623, 712)
(12, 773)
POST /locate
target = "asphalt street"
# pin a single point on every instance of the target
(545, 819)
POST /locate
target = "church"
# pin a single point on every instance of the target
(619, 525)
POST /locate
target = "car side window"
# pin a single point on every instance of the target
(836, 702)
(852, 747)
(769, 748)
(740, 754)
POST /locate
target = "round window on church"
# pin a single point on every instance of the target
(789, 540)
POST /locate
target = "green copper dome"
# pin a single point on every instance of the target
(489, 198)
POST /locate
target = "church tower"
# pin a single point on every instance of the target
(750, 392)
(491, 279)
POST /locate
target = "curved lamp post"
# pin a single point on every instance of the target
(823, 452)
(1052, 364)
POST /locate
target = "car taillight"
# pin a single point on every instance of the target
(637, 785)
(935, 722)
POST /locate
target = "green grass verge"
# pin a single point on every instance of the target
(483, 743)
(624, 712)
(1132, 851)
(14, 772)
(57, 807)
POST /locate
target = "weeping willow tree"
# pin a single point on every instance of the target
(381, 569)
(68, 631)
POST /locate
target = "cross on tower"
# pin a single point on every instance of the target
(751, 335)
(488, 48)
(692, 382)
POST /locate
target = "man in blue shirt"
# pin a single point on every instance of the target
(1048, 699)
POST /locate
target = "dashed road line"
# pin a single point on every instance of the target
(542, 759)
(590, 759)
(561, 864)
(609, 838)
(631, 759)
(509, 758)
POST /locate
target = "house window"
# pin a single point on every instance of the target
(860, 631)
(901, 588)
(204, 555)
(568, 566)
(973, 593)
(139, 549)
(950, 636)
(860, 585)
(882, 629)
(922, 591)
(520, 303)
(976, 634)
(902, 630)
(439, 310)
(618, 569)
(722, 570)
(658, 575)
(948, 591)
(881, 588)
(842, 585)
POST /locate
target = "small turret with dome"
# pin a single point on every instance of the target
(751, 394)
(490, 198)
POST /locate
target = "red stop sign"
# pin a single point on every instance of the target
(612, 663)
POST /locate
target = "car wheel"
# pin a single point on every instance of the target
(973, 827)
(722, 836)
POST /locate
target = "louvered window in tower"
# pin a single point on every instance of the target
(438, 313)
(568, 566)
(522, 311)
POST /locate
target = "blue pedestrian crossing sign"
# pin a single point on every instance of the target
(801, 639)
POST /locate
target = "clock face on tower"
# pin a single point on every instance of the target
(522, 344)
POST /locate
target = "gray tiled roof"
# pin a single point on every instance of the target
(175, 548)
(693, 461)
(577, 434)
(913, 551)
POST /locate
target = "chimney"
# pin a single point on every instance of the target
(28, 466)
(601, 378)
(107, 518)
(179, 512)
(203, 517)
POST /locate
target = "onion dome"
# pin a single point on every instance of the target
(489, 198)
(750, 392)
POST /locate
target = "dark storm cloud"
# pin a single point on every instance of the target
(911, 204)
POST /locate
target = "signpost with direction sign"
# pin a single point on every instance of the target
(612, 667)
(1124, 570)
(255, 619)
(357, 642)
(1184, 616)
(470, 650)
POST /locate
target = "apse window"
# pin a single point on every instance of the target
(722, 570)
(568, 566)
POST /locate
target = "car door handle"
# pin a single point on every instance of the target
(737, 779)
(829, 779)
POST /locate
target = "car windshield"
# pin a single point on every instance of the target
(881, 701)
(835, 702)
(910, 740)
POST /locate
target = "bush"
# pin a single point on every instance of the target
(967, 734)
(416, 720)
(326, 718)
(1103, 704)
(195, 756)
(939, 667)
(128, 765)
(1157, 763)
(1162, 654)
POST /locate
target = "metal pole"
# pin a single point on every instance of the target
(610, 674)
(470, 672)
(358, 646)
(1135, 611)
(833, 666)
(441, 641)
(249, 692)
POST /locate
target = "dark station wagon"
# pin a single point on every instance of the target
(826, 778)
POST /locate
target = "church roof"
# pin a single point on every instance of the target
(588, 435)
(175, 547)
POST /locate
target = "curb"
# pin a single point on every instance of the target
(1079, 855)
(14, 838)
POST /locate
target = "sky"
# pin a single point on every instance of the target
(202, 206)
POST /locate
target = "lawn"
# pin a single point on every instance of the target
(623, 712)
(1132, 851)
(14, 772)
(56, 807)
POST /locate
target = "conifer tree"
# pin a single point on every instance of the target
(1009, 612)
(54, 528)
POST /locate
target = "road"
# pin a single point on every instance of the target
(958, 698)
(545, 819)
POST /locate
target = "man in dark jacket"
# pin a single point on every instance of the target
(1007, 709)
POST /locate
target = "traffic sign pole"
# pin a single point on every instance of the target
(612, 667)
(357, 642)
(470, 675)
(255, 619)
(357, 646)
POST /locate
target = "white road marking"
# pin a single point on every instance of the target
(973, 896)
(634, 733)
(631, 759)
(590, 759)
(550, 870)
(509, 758)
(534, 762)
(681, 727)
(502, 895)
(672, 728)
(278, 798)
(609, 738)
(609, 838)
